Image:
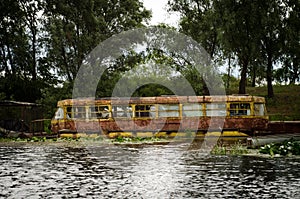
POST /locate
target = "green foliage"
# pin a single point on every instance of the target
(231, 80)
(234, 149)
(47, 124)
(79, 26)
(36, 139)
(20, 50)
(43, 42)
(151, 90)
(199, 21)
(238, 149)
(219, 150)
(51, 95)
(256, 33)
(155, 66)
(288, 147)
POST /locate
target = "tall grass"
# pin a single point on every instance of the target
(234, 149)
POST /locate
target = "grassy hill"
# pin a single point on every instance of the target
(284, 106)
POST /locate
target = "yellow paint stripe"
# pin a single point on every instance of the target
(214, 134)
(113, 135)
(233, 134)
(69, 135)
(160, 134)
(126, 134)
(144, 134)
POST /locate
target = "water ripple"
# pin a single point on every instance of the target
(46, 171)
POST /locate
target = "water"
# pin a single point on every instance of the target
(156, 171)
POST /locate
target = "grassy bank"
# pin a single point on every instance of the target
(284, 106)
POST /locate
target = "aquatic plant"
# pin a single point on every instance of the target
(219, 150)
(238, 149)
(288, 147)
(234, 149)
(36, 139)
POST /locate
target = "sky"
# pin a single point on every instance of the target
(160, 14)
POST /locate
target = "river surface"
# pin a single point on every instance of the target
(152, 171)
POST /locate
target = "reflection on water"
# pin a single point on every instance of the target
(49, 171)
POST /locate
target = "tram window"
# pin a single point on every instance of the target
(216, 109)
(259, 109)
(100, 112)
(152, 111)
(92, 112)
(79, 112)
(69, 112)
(145, 111)
(76, 112)
(168, 110)
(59, 114)
(192, 110)
(237, 109)
(121, 111)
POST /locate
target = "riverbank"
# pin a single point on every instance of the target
(287, 148)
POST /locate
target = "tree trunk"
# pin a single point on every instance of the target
(270, 76)
(242, 85)
(253, 76)
(34, 52)
(205, 90)
(228, 73)
(295, 69)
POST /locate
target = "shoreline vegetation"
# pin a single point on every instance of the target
(287, 148)
(277, 107)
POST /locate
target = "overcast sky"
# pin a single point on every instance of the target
(159, 12)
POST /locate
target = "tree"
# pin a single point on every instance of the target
(199, 22)
(257, 71)
(270, 20)
(258, 33)
(43, 43)
(291, 42)
(228, 25)
(20, 49)
(238, 33)
(76, 27)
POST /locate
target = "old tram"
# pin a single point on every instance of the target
(232, 115)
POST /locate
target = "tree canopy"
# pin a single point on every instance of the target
(259, 34)
(44, 43)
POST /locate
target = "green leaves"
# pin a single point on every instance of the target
(287, 147)
(43, 43)
(257, 33)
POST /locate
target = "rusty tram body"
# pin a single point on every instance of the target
(232, 115)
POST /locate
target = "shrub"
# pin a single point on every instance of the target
(285, 148)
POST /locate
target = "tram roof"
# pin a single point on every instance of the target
(170, 99)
